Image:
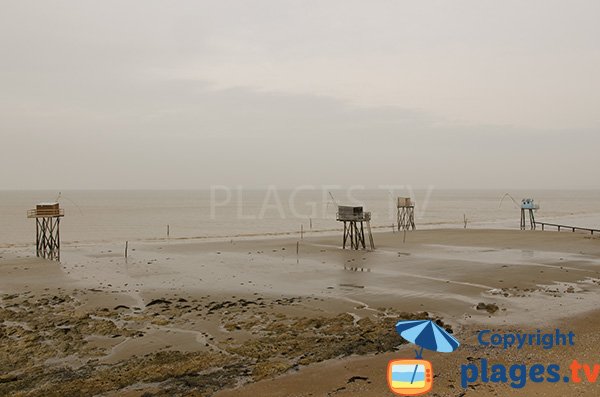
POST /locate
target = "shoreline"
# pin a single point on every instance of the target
(255, 236)
(498, 224)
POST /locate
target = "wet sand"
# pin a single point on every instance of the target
(252, 317)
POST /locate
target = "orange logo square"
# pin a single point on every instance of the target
(410, 377)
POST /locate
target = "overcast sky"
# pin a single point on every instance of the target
(186, 94)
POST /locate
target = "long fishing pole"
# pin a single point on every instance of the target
(511, 197)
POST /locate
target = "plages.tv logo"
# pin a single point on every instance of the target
(412, 377)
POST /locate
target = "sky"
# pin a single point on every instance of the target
(189, 94)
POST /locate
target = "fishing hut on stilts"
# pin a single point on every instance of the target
(528, 205)
(354, 219)
(406, 213)
(47, 229)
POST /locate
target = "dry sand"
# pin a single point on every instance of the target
(252, 318)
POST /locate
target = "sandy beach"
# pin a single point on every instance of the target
(252, 317)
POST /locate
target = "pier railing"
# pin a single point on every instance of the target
(572, 228)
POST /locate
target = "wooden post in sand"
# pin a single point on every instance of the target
(368, 221)
(126, 248)
(47, 229)
(168, 231)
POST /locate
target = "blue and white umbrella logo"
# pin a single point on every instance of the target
(427, 335)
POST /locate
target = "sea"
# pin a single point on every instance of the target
(223, 212)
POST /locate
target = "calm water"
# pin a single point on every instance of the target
(130, 215)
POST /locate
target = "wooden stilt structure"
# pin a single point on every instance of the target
(354, 234)
(528, 206)
(354, 230)
(47, 230)
(524, 219)
(406, 214)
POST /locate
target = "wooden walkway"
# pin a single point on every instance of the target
(572, 228)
